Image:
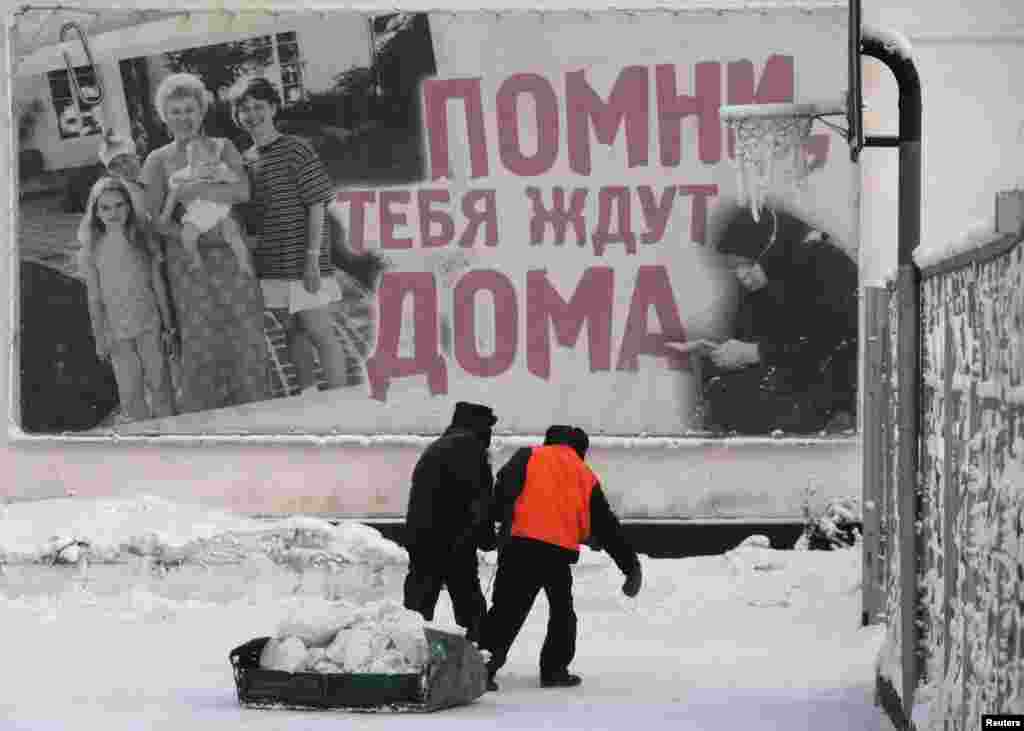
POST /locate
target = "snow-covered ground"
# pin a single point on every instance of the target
(138, 638)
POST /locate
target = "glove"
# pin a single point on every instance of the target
(634, 579)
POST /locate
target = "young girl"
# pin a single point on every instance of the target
(128, 303)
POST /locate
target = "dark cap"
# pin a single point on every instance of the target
(580, 441)
(571, 436)
(473, 416)
(558, 434)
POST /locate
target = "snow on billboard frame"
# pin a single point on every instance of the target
(614, 368)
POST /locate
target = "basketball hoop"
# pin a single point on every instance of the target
(770, 153)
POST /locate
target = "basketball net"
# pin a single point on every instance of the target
(769, 156)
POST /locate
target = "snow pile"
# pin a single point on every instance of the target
(758, 568)
(315, 621)
(348, 542)
(339, 637)
(302, 542)
(304, 531)
(45, 530)
(366, 544)
(64, 550)
(978, 234)
(764, 577)
(167, 534)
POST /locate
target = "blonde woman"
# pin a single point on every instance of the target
(219, 305)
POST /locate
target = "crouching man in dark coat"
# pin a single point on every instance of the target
(548, 502)
(449, 517)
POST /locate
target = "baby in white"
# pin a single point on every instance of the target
(205, 165)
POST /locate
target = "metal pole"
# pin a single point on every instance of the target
(908, 283)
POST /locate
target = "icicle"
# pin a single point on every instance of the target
(769, 155)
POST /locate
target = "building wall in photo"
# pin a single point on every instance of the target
(328, 45)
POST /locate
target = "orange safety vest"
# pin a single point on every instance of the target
(554, 506)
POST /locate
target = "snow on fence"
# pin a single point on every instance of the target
(968, 653)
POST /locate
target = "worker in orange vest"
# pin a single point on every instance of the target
(548, 502)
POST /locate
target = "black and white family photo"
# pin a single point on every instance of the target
(177, 248)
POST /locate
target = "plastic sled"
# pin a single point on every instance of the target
(455, 675)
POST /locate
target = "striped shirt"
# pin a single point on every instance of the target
(287, 178)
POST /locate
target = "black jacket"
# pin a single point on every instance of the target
(451, 495)
(804, 320)
(604, 526)
(810, 305)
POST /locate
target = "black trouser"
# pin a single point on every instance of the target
(430, 570)
(524, 568)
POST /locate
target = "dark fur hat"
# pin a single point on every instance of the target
(473, 416)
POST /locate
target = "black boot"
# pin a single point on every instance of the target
(491, 685)
(563, 679)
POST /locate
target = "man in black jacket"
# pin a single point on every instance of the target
(449, 518)
(548, 501)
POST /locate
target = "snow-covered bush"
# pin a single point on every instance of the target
(835, 527)
(64, 550)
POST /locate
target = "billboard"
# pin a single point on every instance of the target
(535, 210)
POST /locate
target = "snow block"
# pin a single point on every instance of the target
(455, 675)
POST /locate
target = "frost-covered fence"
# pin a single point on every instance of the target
(968, 653)
(877, 468)
(882, 486)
